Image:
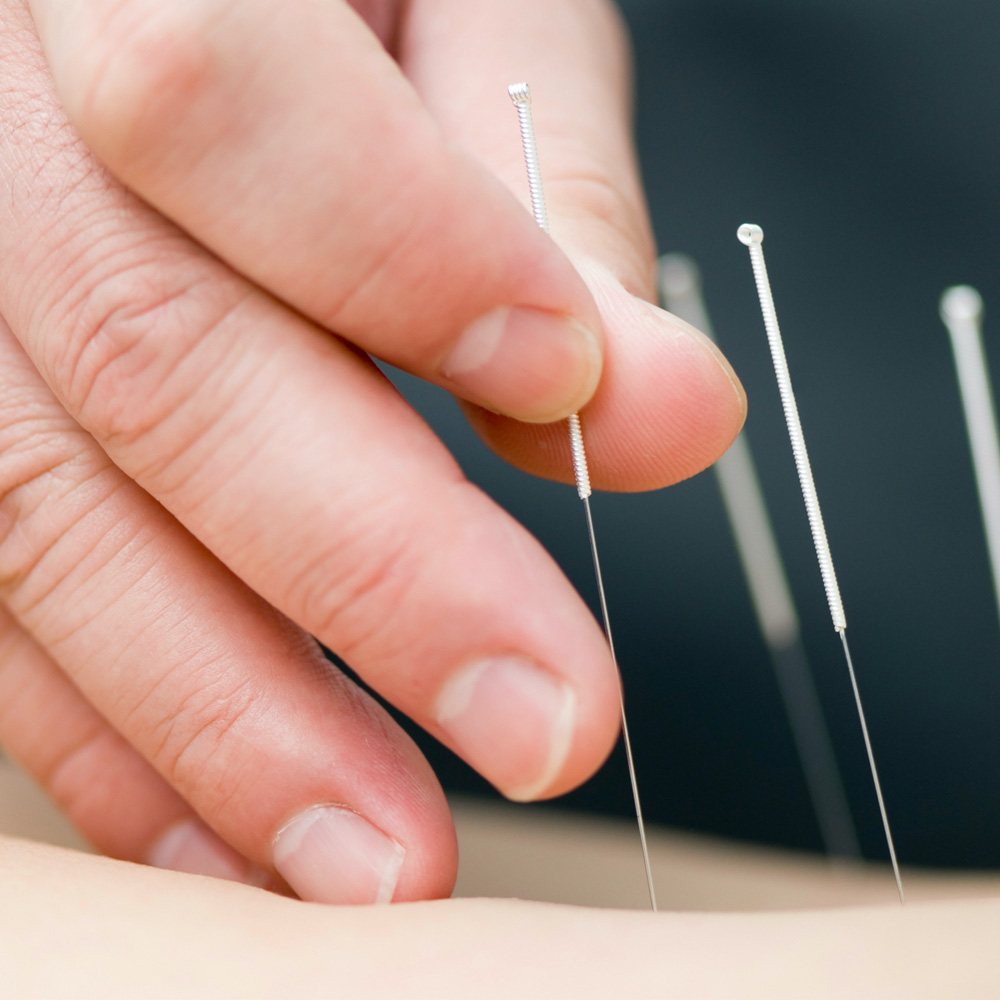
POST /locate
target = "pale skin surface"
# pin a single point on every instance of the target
(849, 937)
(76, 925)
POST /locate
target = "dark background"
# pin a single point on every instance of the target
(865, 138)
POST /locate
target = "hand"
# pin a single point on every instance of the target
(200, 468)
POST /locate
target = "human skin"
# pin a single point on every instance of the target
(200, 468)
(77, 925)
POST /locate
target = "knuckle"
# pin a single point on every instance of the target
(125, 357)
(608, 217)
(75, 770)
(106, 360)
(196, 743)
(58, 494)
(135, 74)
(107, 790)
(350, 591)
(592, 194)
(41, 465)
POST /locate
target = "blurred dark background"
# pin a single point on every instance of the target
(865, 138)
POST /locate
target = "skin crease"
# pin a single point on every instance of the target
(201, 469)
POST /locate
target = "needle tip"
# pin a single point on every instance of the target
(961, 304)
(520, 94)
(749, 234)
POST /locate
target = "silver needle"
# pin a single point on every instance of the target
(752, 237)
(521, 96)
(962, 314)
(746, 509)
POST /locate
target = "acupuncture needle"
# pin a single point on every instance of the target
(680, 290)
(520, 94)
(962, 314)
(752, 237)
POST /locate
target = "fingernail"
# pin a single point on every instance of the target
(526, 363)
(510, 720)
(329, 854)
(189, 846)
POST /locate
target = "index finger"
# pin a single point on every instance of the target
(287, 140)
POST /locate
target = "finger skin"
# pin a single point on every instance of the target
(668, 403)
(575, 56)
(106, 789)
(110, 793)
(372, 225)
(297, 465)
(574, 53)
(230, 703)
(144, 383)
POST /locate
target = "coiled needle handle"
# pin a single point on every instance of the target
(520, 94)
(752, 237)
(770, 593)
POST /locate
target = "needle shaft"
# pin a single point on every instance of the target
(621, 697)
(521, 96)
(752, 236)
(871, 764)
(962, 313)
(770, 593)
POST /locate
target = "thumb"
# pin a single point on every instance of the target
(668, 403)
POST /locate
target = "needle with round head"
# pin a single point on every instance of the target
(962, 314)
(520, 94)
(746, 509)
(752, 237)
